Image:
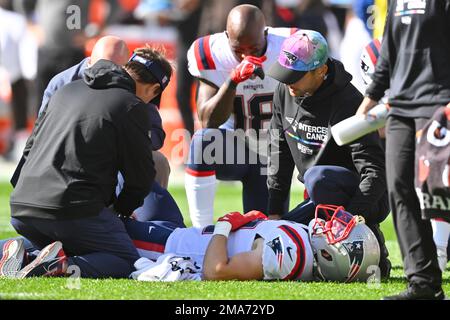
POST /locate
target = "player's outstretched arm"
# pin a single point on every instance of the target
(243, 266)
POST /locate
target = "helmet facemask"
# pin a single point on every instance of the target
(344, 247)
(334, 222)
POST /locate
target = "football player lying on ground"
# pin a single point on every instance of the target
(242, 247)
(339, 247)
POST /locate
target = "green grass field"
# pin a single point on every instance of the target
(228, 199)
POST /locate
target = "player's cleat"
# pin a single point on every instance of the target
(51, 262)
(13, 257)
(416, 292)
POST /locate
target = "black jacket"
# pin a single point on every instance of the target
(76, 72)
(92, 129)
(414, 58)
(300, 135)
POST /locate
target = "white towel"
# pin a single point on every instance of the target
(168, 267)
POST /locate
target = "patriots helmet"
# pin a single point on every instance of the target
(368, 60)
(344, 247)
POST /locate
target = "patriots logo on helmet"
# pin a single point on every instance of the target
(277, 248)
(355, 251)
(291, 57)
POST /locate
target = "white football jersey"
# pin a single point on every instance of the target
(210, 58)
(193, 242)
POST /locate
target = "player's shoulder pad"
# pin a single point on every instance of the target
(275, 39)
(281, 32)
(202, 53)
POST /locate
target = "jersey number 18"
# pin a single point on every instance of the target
(255, 113)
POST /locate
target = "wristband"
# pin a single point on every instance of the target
(223, 228)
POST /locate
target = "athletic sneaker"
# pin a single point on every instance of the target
(13, 257)
(416, 292)
(51, 262)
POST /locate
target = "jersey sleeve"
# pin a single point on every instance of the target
(202, 64)
(293, 30)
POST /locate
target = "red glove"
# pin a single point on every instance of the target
(237, 220)
(249, 66)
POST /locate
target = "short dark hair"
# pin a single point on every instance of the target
(140, 73)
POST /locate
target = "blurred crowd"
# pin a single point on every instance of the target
(40, 38)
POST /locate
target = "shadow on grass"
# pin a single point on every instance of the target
(397, 268)
(395, 280)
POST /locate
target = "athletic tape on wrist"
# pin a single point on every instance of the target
(223, 228)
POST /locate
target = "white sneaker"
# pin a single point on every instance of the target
(51, 262)
(13, 256)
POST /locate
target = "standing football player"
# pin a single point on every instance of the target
(233, 97)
